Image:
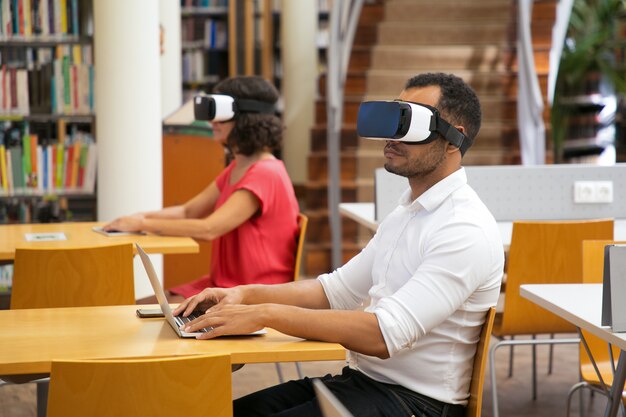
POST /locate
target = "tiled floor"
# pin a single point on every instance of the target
(514, 393)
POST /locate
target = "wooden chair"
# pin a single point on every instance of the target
(193, 386)
(303, 221)
(475, 402)
(541, 252)
(593, 269)
(78, 277)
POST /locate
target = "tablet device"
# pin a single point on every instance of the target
(99, 229)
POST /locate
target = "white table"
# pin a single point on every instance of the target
(364, 214)
(581, 305)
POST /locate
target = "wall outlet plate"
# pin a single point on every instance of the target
(593, 192)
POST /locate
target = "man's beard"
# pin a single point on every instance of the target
(422, 167)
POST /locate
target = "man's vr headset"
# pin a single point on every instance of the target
(222, 108)
(408, 122)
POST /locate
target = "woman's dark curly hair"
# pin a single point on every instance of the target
(253, 132)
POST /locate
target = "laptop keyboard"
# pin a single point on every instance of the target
(180, 320)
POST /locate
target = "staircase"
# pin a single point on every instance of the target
(396, 39)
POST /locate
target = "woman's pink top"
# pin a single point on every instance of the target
(262, 250)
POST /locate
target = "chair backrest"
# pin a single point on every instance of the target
(303, 221)
(475, 402)
(593, 270)
(76, 277)
(192, 386)
(547, 252)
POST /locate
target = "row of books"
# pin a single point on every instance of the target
(28, 18)
(34, 169)
(62, 85)
(203, 3)
(201, 33)
(193, 66)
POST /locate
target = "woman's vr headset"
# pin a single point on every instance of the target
(407, 122)
(222, 108)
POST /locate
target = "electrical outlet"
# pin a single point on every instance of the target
(604, 192)
(594, 192)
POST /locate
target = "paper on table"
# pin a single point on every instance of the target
(44, 237)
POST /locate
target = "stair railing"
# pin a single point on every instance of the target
(344, 17)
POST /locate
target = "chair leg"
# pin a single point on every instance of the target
(511, 359)
(42, 398)
(534, 378)
(279, 371)
(298, 370)
(492, 373)
(550, 355)
(571, 392)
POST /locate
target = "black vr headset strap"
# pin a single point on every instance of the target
(253, 106)
(450, 133)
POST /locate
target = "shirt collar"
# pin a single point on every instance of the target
(436, 194)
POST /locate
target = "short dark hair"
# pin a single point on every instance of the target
(253, 132)
(458, 103)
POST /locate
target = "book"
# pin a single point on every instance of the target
(75, 161)
(90, 169)
(17, 169)
(3, 168)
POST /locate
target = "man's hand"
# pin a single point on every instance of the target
(208, 298)
(229, 319)
(133, 223)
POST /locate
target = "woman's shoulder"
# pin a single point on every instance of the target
(272, 165)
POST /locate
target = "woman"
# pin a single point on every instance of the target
(250, 210)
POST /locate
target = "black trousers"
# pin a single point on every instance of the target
(360, 394)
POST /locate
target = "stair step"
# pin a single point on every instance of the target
(317, 193)
(418, 11)
(349, 140)
(350, 109)
(318, 230)
(366, 35)
(318, 166)
(389, 82)
(355, 83)
(360, 58)
(317, 256)
(440, 33)
(433, 58)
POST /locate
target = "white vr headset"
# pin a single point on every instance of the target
(221, 108)
(408, 122)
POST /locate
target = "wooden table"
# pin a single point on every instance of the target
(80, 234)
(581, 305)
(32, 338)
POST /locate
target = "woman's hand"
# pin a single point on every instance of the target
(132, 223)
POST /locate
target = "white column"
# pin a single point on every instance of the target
(299, 84)
(171, 65)
(128, 111)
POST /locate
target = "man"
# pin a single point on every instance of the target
(429, 275)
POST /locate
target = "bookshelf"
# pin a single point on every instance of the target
(223, 38)
(47, 145)
(204, 34)
(47, 114)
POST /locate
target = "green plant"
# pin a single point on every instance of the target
(588, 53)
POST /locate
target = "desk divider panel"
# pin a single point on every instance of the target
(516, 192)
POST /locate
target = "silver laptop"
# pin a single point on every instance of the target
(329, 404)
(174, 321)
